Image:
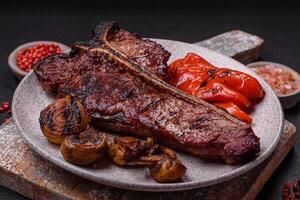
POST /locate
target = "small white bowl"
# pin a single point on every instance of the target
(13, 56)
(287, 100)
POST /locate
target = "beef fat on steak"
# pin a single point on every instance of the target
(119, 78)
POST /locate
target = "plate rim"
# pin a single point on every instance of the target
(157, 187)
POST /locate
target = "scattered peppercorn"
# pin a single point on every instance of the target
(291, 190)
(287, 185)
(295, 187)
(29, 56)
(5, 106)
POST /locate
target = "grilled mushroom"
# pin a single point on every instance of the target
(84, 148)
(128, 150)
(62, 118)
(163, 162)
(168, 168)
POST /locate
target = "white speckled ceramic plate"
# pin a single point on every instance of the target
(30, 99)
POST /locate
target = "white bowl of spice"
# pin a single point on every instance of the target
(24, 56)
(284, 81)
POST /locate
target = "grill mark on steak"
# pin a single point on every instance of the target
(145, 52)
(126, 96)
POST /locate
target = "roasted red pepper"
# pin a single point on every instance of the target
(198, 77)
(234, 110)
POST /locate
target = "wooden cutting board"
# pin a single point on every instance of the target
(25, 172)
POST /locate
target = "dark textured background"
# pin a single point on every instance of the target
(277, 23)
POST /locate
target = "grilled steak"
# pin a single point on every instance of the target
(118, 77)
